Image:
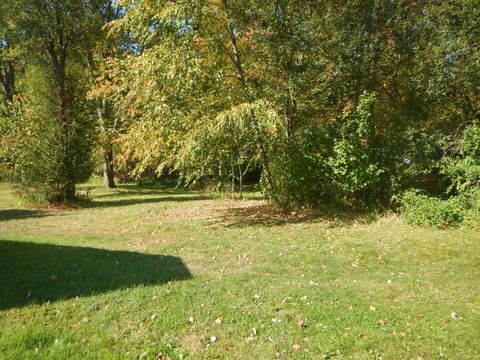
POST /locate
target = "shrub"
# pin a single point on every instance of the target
(471, 203)
(463, 166)
(424, 210)
(356, 173)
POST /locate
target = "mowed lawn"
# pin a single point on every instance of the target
(155, 273)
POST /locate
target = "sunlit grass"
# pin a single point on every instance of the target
(167, 270)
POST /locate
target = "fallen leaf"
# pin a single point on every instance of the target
(300, 323)
(162, 357)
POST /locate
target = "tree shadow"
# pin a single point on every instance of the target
(18, 214)
(269, 215)
(115, 193)
(144, 200)
(137, 190)
(134, 194)
(34, 273)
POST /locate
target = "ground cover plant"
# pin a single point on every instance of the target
(154, 272)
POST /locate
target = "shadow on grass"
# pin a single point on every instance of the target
(136, 190)
(18, 214)
(126, 195)
(269, 215)
(143, 200)
(34, 273)
(114, 193)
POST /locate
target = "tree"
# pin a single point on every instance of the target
(99, 46)
(309, 61)
(345, 103)
(7, 71)
(52, 29)
(7, 56)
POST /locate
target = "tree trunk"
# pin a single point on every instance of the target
(69, 177)
(69, 190)
(7, 79)
(108, 168)
(233, 180)
(108, 174)
(240, 177)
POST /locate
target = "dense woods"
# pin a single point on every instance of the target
(346, 104)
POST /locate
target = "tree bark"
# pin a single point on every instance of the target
(108, 168)
(108, 174)
(233, 180)
(240, 177)
(7, 79)
(69, 191)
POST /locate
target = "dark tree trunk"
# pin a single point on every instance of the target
(108, 168)
(108, 174)
(68, 156)
(7, 79)
(233, 180)
(240, 177)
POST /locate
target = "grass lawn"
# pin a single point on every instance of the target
(152, 272)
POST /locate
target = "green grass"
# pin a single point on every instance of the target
(147, 270)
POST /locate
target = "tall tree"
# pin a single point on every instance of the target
(7, 56)
(52, 28)
(99, 46)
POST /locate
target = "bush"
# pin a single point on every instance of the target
(471, 203)
(357, 175)
(463, 166)
(423, 210)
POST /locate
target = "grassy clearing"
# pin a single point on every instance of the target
(145, 271)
